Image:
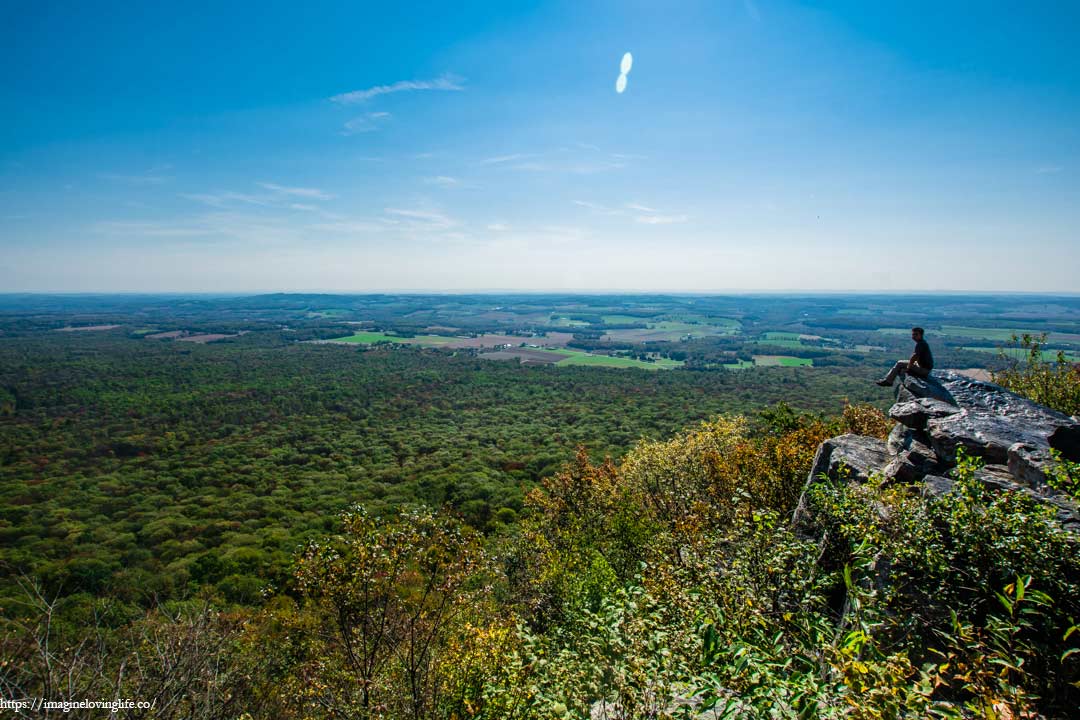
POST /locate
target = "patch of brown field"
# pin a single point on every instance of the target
(440, 329)
(525, 355)
(208, 337)
(86, 328)
(167, 335)
(555, 339)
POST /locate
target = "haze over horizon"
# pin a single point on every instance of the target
(756, 146)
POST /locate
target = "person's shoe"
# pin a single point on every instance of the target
(883, 383)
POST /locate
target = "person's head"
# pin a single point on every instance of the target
(917, 333)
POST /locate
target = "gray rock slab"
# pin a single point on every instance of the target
(847, 457)
(916, 413)
(993, 419)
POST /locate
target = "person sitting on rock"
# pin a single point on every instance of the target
(920, 364)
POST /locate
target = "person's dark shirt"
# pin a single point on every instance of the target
(923, 356)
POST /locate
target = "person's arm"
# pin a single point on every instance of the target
(914, 359)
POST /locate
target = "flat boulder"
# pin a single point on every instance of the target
(930, 388)
(916, 413)
(991, 420)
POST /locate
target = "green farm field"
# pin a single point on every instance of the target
(1020, 353)
(782, 360)
(577, 357)
(668, 331)
(624, 319)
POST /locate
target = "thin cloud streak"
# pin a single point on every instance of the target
(368, 122)
(304, 192)
(443, 82)
(442, 181)
(660, 219)
(427, 219)
(597, 207)
(500, 159)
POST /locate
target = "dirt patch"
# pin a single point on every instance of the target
(171, 334)
(555, 339)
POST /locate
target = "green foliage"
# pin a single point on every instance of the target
(148, 470)
(396, 591)
(1064, 475)
(663, 582)
(1054, 383)
(943, 564)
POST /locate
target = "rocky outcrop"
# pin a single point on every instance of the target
(940, 415)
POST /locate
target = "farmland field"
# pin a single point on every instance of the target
(577, 357)
(445, 341)
(87, 328)
(782, 360)
(1020, 353)
(667, 331)
(525, 355)
(568, 322)
(624, 319)
(204, 337)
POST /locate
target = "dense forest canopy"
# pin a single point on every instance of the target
(196, 478)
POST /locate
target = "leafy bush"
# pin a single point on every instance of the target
(1054, 383)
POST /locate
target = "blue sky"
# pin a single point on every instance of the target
(758, 145)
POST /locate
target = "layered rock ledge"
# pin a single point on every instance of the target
(936, 418)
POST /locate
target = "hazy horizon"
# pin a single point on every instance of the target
(754, 147)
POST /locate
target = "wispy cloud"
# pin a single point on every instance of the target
(227, 199)
(444, 82)
(443, 181)
(304, 192)
(276, 197)
(597, 207)
(498, 227)
(243, 229)
(422, 218)
(500, 159)
(368, 122)
(350, 227)
(1048, 169)
(147, 229)
(588, 167)
(660, 219)
(640, 208)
